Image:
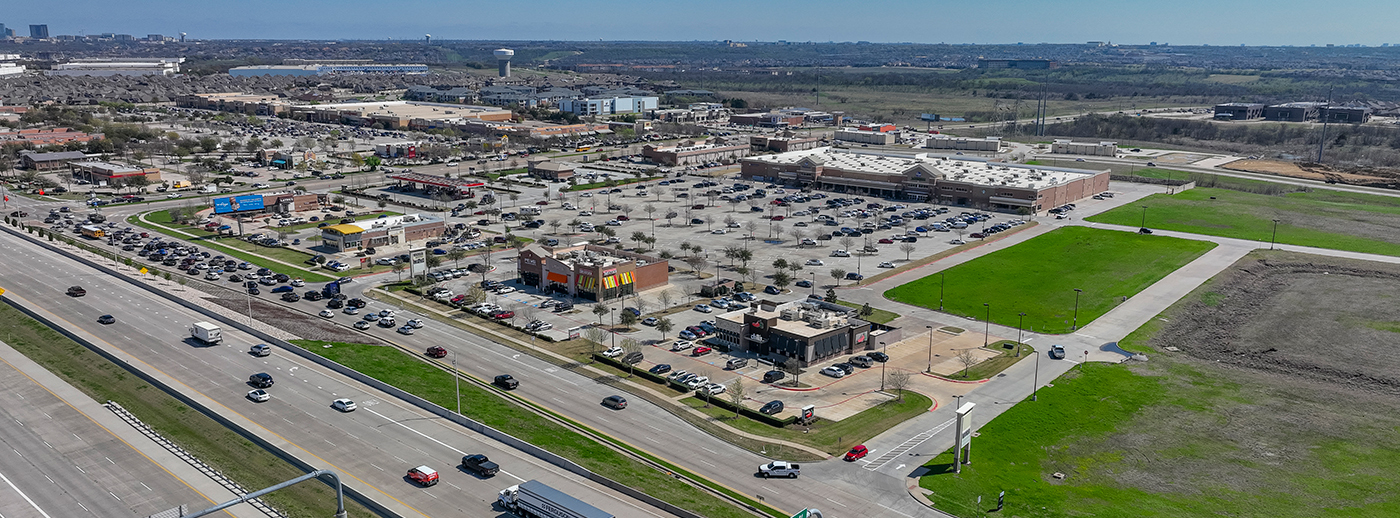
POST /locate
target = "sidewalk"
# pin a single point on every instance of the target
(212, 491)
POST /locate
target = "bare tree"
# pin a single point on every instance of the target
(640, 303)
(697, 263)
(630, 345)
(737, 393)
(595, 336)
(967, 359)
(846, 243)
(907, 249)
(665, 298)
(897, 381)
(751, 227)
(797, 235)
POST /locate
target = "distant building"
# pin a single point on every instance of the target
(102, 67)
(797, 333)
(784, 143)
(590, 271)
(768, 120)
(35, 161)
(553, 171)
(1239, 111)
(371, 233)
(860, 136)
(458, 94)
(695, 113)
(394, 114)
(1025, 64)
(329, 69)
(46, 137)
(250, 104)
(39, 31)
(608, 106)
(692, 152)
(1294, 112)
(1069, 147)
(1348, 114)
(97, 172)
(989, 144)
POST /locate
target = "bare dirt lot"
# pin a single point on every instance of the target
(1354, 176)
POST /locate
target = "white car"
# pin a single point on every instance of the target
(585, 213)
(613, 352)
(697, 382)
(713, 389)
(343, 405)
(173, 195)
(719, 231)
(416, 323)
(681, 345)
(834, 372)
(350, 310)
(405, 330)
(703, 308)
(614, 223)
(361, 325)
(211, 276)
(504, 290)
(259, 395)
(886, 264)
(957, 242)
(327, 313)
(297, 283)
(386, 313)
(815, 262)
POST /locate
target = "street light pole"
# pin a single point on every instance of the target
(930, 349)
(1020, 326)
(987, 331)
(1273, 236)
(882, 366)
(1075, 325)
(612, 317)
(1144, 217)
(458, 378)
(942, 281)
(1035, 386)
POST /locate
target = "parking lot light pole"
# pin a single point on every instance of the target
(814, 282)
(1273, 236)
(942, 281)
(882, 366)
(1020, 326)
(1144, 217)
(987, 331)
(612, 316)
(1075, 325)
(930, 349)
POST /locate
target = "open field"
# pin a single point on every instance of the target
(1323, 219)
(1259, 414)
(1039, 276)
(206, 439)
(417, 377)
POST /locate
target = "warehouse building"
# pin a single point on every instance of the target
(390, 230)
(692, 152)
(608, 106)
(101, 67)
(950, 180)
(860, 136)
(1063, 146)
(99, 172)
(808, 331)
(1293, 112)
(395, 114)
(990, 144)
(589, 271)
(35, 161)
(783, 144)
(1239, 111)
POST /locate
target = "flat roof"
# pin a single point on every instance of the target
(434, 180)
(946, 168)
(411, 109)
(345, 228)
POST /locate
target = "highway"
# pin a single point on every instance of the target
(373, 446)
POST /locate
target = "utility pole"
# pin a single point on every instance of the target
(1322, 143)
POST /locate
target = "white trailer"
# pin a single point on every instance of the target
(534, 499)
(206, 332)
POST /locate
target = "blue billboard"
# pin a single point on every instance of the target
(238, 203)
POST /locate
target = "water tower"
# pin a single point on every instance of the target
(182, 37)
(503, 61)
(427, 39)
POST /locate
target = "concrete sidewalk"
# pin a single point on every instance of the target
(212, 491)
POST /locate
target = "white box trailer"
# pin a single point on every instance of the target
(534, 499)
(206, 332)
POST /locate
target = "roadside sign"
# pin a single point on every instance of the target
(802, 514)
(2, 291)
(144, 271)
(1001, 500)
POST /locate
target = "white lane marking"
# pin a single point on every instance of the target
(430, 438)
(837, 503)
(80, 468)
(26, 497)
(894, 511)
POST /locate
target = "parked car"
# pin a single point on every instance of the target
(701, 351)
(773, 375)
(834, 372)
(660, 368)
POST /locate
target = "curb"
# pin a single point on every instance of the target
(973, 382)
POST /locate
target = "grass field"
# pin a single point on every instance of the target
(221, 448)
(396, 368)
(1183, 436)
(834, 437)
(1322, 219)
(1039, 276)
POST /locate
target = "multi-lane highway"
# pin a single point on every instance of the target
(373, 446)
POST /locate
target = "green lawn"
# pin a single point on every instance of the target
(1322, 219)
(223, 449)
(396, 368)
(834, 437)
(878, 316)
(1039, 276)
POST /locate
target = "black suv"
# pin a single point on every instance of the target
(771, 376)
(772, 407)
(480, 464)
(260, 380)
(506, 381)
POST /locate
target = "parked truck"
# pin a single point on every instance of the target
(534, 499)
(206, 332)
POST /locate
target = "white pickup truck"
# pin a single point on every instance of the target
(780, 468)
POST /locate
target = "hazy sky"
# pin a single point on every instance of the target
(1182, 22)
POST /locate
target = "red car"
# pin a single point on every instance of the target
(701, 351)
(623, 218)
(436, 352)
(857, 453)
(698, 206)
(778, 218)
(887, 241)
(977, 235)
(542, 202)
(503, 314)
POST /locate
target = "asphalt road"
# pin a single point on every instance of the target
(62, 464)
(374, 445)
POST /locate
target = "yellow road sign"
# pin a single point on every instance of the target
(144, 271)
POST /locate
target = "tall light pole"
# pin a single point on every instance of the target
(942, 281)
(1144, 217)
(1035, 387)
(1020, 326)
(814, 282)
(987, 331)
(1273, 236)
(930, 349)
(612, 317)
(458, 378)
(882, 366)
(1075, 325)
